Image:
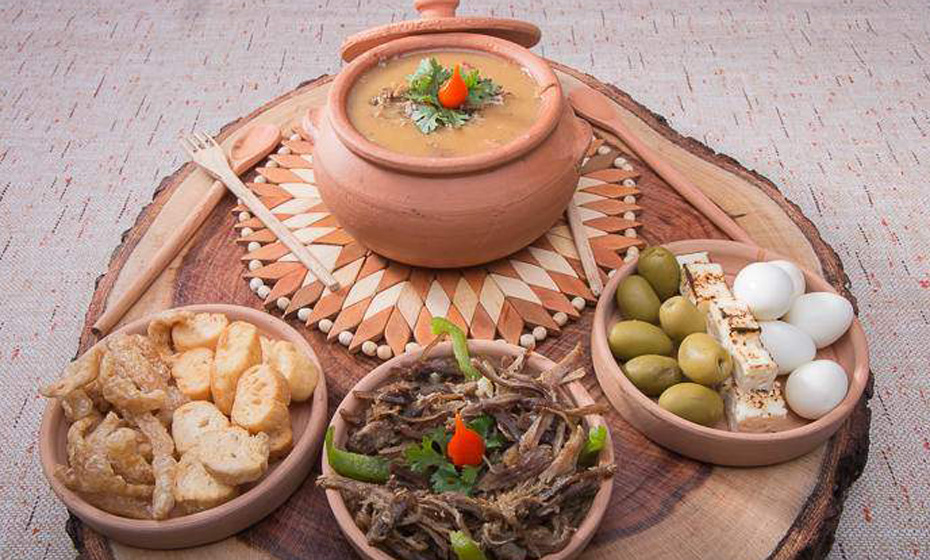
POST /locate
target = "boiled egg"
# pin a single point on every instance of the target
(765, 288)
(824, 316)
(815, 388)
(797, 277)
(789, 346)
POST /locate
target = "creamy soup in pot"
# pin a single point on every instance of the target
(384, 107)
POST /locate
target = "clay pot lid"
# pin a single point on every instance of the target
(438, 16)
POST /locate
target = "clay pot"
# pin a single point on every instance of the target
(453, 211)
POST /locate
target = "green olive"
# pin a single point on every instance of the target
(703, 360)
(693, 402)
(637, 300)
(679, 318)
(659, 266)
(652, 374)
(629, 339)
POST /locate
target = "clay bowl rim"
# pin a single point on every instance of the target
(550, 108)
(309, 442)
(828, 423)
(497, 349)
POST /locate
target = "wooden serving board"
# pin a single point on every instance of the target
(663, 506)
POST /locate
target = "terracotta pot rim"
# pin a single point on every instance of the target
(380, 374)
(859, 376)
(550, 109)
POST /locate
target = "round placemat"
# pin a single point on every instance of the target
(384, 308)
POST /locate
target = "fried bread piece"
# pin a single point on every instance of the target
(195, 489)
(191, 371)
(300, 372)
(194, 419)
(232, 456)
(238, 349)
(203, 330)
(261, 400)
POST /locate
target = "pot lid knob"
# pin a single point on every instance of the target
(438, 16)
(430, 9)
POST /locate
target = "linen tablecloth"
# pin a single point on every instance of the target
(830, 100)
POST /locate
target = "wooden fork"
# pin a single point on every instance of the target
(205, 152)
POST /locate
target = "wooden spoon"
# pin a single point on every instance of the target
(246, 151)
(596, 107)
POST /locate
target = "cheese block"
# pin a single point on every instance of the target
(755, 411)
(731, 322)
(703, 282)
(693, 258)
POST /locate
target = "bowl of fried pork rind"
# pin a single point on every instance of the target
(532, 497)
(184, 427)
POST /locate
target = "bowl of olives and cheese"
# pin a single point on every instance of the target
(710, 348)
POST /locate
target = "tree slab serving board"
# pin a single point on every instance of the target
(663, 506)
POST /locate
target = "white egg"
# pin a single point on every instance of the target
(815, 388)
(789, 346)
(765, 288)
(797, 277)
(824, 316)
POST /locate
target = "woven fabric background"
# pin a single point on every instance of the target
(828, 99)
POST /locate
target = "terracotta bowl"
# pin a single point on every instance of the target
(382, 374)
(716, 444)
(308, 421)
(455, 211)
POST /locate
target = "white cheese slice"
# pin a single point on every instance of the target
(693, 258)
(756, 411)
(731, 322)
(703, 282)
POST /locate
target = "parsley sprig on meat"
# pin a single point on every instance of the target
(431, 454)
(423, 93)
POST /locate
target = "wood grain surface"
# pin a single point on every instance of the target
(663, 505)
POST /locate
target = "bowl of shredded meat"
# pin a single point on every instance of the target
(469, 450)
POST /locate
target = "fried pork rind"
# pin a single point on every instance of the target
(77, 404)
(95, 393)
(191, 371)
(195, 489)
(174, 398)
(193, 420)
(123, 452)
(78, 374)
(98, 437)
(301, 374)
(120, 390)
(160, 328)
(232, 456)
(119, 505)
(90, 470)
(203, 330)
(238, 349)
(140, 357)
(134, 377)
(164, 466)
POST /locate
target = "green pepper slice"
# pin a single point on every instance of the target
(597, 438)
(464, 547)
(355, 465)
(441, 325)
